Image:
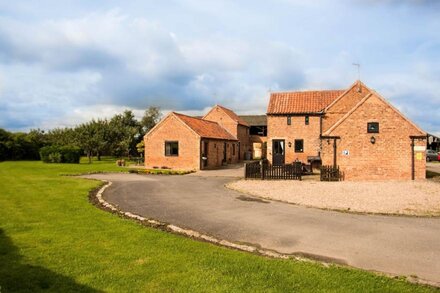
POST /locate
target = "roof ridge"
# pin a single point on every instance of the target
(357, 82)
(201, 129)
(230, 113)
(306, 91)
(189, 116)
(385, 101)
(342, 119)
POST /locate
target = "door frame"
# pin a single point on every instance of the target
(273, 151)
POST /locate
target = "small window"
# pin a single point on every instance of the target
(373, 127)
(299, 145)
(289, 120)
(171, 148)
(307, 120)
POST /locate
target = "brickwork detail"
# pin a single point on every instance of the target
(172, 129)
(388, 158)
(277, 128)
(344, 104)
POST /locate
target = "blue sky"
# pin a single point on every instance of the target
(66, 62)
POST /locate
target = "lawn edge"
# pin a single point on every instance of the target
(96, 198)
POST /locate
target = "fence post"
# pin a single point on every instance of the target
(261, 169)
(245, 169)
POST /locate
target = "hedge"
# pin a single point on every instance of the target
(57, 154)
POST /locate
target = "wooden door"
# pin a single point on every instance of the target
(278, 152)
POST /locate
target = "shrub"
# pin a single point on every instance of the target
(55, 157)
(56, 154)
(45, 153)
(70, 154)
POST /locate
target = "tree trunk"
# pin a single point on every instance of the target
(98, 155)
(89, 155)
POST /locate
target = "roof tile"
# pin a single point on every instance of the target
(205, 128)
(301, 102)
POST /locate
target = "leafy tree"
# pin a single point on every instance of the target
(62, 136)
(151, 116)
(86, 138)
(140, 147)
(126, 131)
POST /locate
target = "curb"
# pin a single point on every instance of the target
(103, 204)
(187, 232)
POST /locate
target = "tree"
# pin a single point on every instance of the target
(151, 116)
(62, 136)
(86, 138)
(140, 147)
(126, 131)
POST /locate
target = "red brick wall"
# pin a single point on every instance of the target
(343, 106)
(241, 132)
(224, 120)
(277, 128)
(172, 130)
(388, 158)
(243, 137)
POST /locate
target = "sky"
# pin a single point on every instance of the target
(66, 62)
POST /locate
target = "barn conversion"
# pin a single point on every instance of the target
(189, 143)
(356, 129)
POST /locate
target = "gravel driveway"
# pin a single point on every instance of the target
(395, 197)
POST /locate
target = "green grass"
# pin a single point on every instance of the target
(53, 239)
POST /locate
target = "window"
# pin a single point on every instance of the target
(289, 120)
(373, 127)
(171, 148)
(299, 145)
(307, 120)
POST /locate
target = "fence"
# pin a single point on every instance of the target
(264, 171)
(331, 173)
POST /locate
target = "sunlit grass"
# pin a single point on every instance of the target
(52, 238)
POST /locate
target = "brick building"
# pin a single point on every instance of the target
(188, 143)
(356, 129)
(234, 125)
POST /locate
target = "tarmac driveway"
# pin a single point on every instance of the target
(396, 245)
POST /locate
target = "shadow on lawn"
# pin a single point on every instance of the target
(17, 276)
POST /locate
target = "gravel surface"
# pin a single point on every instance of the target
(391, 197)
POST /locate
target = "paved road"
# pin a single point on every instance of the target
(433, 166)
(397, 245)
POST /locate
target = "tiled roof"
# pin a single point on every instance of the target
(234, 116)
(301, 102)
(205, 128)
(255, 120)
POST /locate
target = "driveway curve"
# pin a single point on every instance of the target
(396, 245)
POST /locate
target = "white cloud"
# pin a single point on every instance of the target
(60, 67)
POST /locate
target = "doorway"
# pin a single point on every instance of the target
(278, 152)
(204, 154)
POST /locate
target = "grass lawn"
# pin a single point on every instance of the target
(53, 239)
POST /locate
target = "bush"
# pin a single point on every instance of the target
(56, 154)
(70, 154)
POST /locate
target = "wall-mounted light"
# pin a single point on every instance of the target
(289, 144)
(373, 140)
